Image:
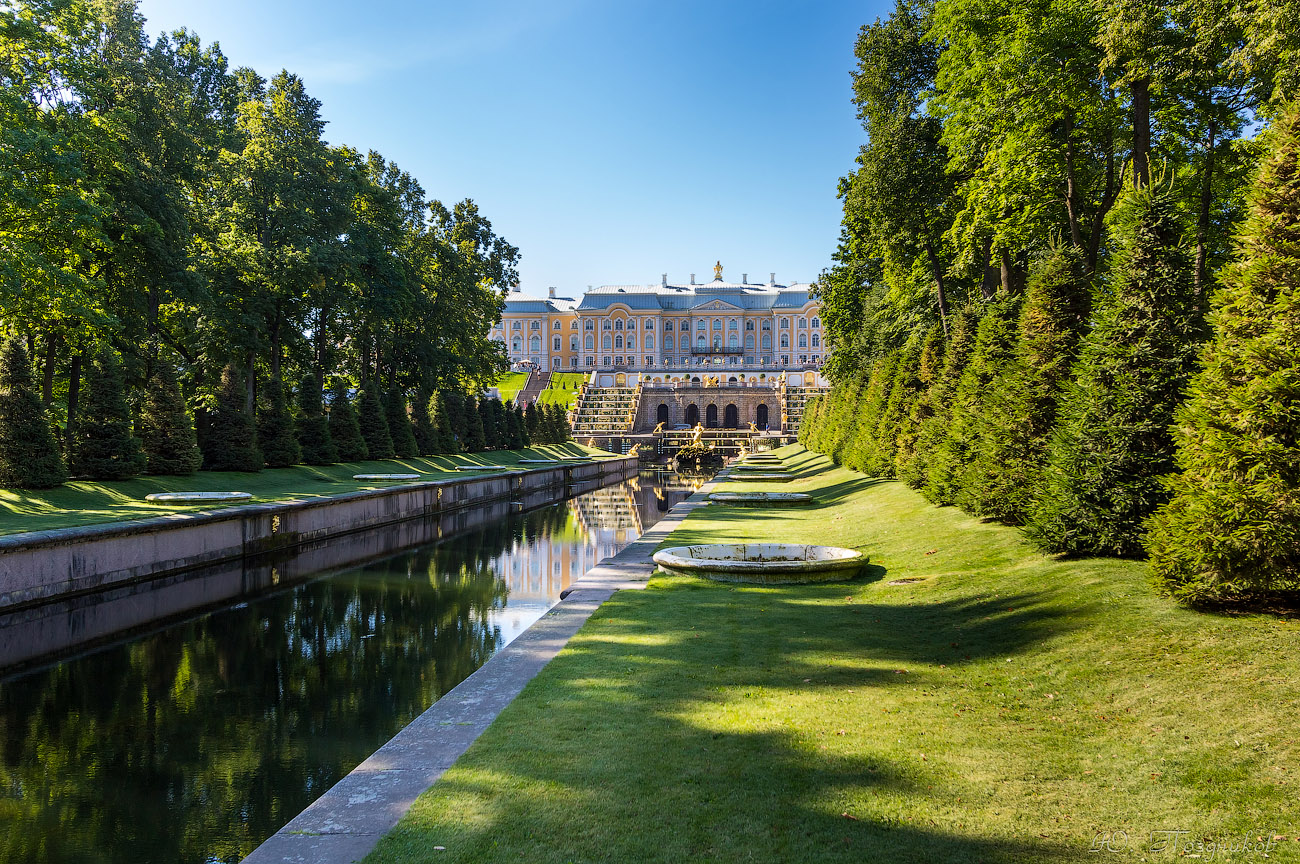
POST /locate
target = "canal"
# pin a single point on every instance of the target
(195, 738)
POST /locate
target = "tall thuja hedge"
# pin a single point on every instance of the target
(929, 365)
(105, 446)
(29, 454)
(374, 425)
(275, 432)
(488, 420)
(399, 424)
(230, 442)
(474, 441)
(1019, 411)
(559, 425)
(440, 419)
(995, 344)
(532, 422)
(1232, 527)
(1112, 444)
(841, 421)
(345, 430)
(933, 429)
(903, 391)
(426, 434)
(812, 420)
(166, 430)
(312, 428)
(860, 450)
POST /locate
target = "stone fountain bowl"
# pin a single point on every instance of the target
(761, 499)
(197, 497)
(747, 477)
(763, 563)
(386, 477)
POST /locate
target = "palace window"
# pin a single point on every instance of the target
(631, 323)
(749, 325)
(649, 341)
(618, 325)
(699, 341)
(749, 341)
(606, 324)
(514, 325)
(618, 343)
(803, 340)
(733, 341)
(574, 325)
(631, 343)
(606, 361)
(516, 346)
(586, 325)
(803, 323)
(717, 323)
(573, 343)
(555, 344)
(785, 340)
(534, 325)
(589, 343)
(767, 323)
(785, 323)
(668, 325)
(668, 343)
(649, 361)
(733, 324)
(817, 340)
(591, 361)
(767, 341)
(535, 344)
(605, 342)
(557, 326)
(650, 324)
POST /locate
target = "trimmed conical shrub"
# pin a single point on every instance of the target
(1232, 528)
(345, 431)
(860, 451)
(559, 424)
(440, 418)
(473, 440)
(166, 430)
(532, 420)
(903, 390)
(399, 424)
(422, 424)
(1019, 409)
(1112, 444)
(457, 419)
(515, 432)
(489, 417)
(230, 443)
(933, 428)
(928, 368)
(313, 429)
(275, 432)
(29, 454)
(374, 425)
(105, 446)
(995, 345)
(521, 424)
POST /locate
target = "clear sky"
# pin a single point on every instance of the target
(610, 140)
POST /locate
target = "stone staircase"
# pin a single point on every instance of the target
(793, 402)
(607, 410)
(538, 380)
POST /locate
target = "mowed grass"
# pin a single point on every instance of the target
(509, 384)
(564, 389)
(1005, 707)
(85, 502)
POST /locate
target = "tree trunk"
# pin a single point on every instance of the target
(1107, 201)
(1141, 133)
(989, 282)
(74, 390)
(1009, 273)
(938, 284)
(1072, 196)
(47, 374)
(1203, 219)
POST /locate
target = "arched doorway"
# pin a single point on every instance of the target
(711, 417)
(661, 413)
(760, 417)
(731, 380)
(692, 415)
(730, 417)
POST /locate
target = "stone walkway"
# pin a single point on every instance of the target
(345, 823)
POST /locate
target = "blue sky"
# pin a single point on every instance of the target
(610, 141)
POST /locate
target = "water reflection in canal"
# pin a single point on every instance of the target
(195, 741)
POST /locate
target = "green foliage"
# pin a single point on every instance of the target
(1113, 445)
(906, 466)
(105, 447)
(933, 428)
(995, 341)
(344, 429)
(560, 429)
(1018, 412)
(440, 418)
(275, 428)
(457, 419)
(313, 429)
(861, 447)
(230, 441)
(422, 424)
(532, 421)
(473, 440)
(374, 424)
(518, 429)
(29, 455)
(1232, 527)
(166, 430)
(399, 424)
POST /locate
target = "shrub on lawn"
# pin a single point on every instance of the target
(345, 431)
(29, 453)
(473, 440)
(104, 446)
(399, 424)
(166, 430)
(230, 443)
(313, 429)
(928, 368)
(374, 425)
(275, 433)
(933, 428)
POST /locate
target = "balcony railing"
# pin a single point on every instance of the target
(715, 349)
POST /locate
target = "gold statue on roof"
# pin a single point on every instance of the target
(717, 271)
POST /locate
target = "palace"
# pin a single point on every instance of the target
(740, 332)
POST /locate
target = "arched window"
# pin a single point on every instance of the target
(631, 323)
(649, 342)
(733, 341)
(631, 343)
(785, 323)
(574, 324)
(817, 340)
(803, 323)
(733, 324)
(767, 341)
(699, 341)
(701, 324)
(557, 326)
(668, 343)
(555, 344)
(618, 325)
(650, 324)
(588, 324)
(803, 340)
(749, 325)
(618, 342)
(711, 417)
(534, 325)
(535, 344)
(514, 325)
(606, 324)
(767, 323)
(589, 344)
(516, 346)
(717, 323)
(668, 325)
(573, 343)
(785, 340)
(717, 340)
(817, 323)
(605, 342)
(749, 341)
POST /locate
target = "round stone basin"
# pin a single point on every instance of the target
(197, 497)
(747, 477)
(761, 499)
(385, 476)
(764, 563)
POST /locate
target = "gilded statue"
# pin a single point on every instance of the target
(717, 271)
(699, 434)
(753, 427)
(660, 428)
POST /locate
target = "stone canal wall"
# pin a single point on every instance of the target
(40, 566)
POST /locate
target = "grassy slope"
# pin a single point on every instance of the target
(564, 388)
(510, 384)
(86, 502)
(1005, 708)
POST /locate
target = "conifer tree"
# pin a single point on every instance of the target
(275, 432)
(104, 447)
(426, 434)
(1112, 444)
(559, 425)
(474, 440)
(532, 421)
(490, 416)
(918, 411)
(995, 345)
(345, 431)
(1232, 528)
(514, 427)
(1019, 411)
(862, 447)
(932, 429)
(440, 416)
(230, 443)
(399, 424)
(457, 419)
(313, 429)
(374, 425)
(29, 454)
(166, 430)
(903, 390)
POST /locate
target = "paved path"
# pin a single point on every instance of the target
(345, 823)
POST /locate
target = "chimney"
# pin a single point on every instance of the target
(664, 281)
(773, 282)
(550, 292)
(692, 278)
(744, 278)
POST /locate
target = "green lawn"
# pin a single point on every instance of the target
(87, 502)
(509, 384)
(1004, 706)
(564, 388)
